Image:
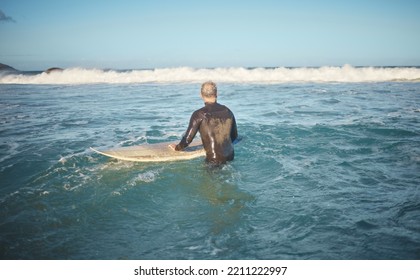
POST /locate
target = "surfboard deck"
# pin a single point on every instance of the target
(158, 152)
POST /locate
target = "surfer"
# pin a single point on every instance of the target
(217, 126)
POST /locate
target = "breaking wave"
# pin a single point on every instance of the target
(345, 74)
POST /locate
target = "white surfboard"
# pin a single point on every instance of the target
(155, 152)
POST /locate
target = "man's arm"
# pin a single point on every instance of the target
(234, 130)
(189, 135)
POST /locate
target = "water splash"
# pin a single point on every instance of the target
(344, 74)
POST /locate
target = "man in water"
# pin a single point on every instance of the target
(217, 126)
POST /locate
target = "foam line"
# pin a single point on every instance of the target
(344, 74)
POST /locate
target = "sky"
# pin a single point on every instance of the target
(124, 34)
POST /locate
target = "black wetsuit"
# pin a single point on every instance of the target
(217, 126)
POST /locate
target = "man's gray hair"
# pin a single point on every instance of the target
(209, 89)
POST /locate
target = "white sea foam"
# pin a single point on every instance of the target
(147, 177)
(345, 73)
(12, 150)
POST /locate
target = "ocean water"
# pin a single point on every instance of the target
(329, 167)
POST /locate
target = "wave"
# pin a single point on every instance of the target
(345, 74)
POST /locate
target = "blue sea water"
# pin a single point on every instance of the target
(326, 170)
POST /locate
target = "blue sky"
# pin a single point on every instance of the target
(35, 35)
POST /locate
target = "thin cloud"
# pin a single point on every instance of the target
(4, 18)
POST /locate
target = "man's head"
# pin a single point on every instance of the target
(209, 91)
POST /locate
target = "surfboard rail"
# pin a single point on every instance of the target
(159, 152)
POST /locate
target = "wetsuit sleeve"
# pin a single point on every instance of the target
(189, 135)
(234, 130)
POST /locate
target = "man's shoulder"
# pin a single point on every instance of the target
(197, 113)
(226, 108)
(223, 106)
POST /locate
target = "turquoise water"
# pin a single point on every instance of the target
(325, 171)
